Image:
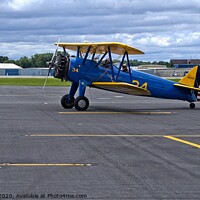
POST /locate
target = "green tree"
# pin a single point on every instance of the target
(40, 60)
(3, 59)
(134, 62)
(25, 62)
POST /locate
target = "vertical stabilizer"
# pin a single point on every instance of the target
(190, 78)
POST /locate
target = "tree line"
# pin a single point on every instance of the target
(37, 60)
(40, 60)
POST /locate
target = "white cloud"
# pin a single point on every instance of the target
(163, 29)
(153, 40)
(22, 4)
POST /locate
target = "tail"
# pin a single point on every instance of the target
(192, 78)
(191, 81)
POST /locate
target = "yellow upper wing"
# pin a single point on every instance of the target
(102, 47)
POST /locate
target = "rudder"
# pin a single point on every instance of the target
(192, 79)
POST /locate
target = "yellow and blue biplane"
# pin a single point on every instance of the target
(93, 66)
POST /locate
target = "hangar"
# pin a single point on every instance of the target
(9, 69)
(184, 63)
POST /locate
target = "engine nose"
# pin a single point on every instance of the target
(61, 67)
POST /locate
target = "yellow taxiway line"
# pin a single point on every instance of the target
(171, 137)
(108, 135)
(107, 113)
(44, 165)
(90, 135)
(182, 141)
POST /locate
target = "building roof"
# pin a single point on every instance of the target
(9, 66)
(185, 61)
(150, 66)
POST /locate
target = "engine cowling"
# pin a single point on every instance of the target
(61, 67)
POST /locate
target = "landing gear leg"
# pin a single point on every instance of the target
(67, 100)
(192, 105)
(81, 103)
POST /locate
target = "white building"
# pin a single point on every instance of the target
(9, 69)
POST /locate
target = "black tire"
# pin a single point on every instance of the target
(81, 103)
(67, 104)
(192, 105)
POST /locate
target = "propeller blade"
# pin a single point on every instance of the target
(50, 64)
(47, 77)
(55, 51)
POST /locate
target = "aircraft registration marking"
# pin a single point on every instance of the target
(74, 70)
(137, 83)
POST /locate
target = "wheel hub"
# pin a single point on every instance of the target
(81, 103)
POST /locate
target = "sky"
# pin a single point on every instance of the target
(163, 29)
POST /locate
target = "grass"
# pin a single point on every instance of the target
(175, 80)
(32, 82)
(38, 82)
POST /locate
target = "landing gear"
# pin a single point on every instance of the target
(66, 102)
(81, 103)
(192, 105)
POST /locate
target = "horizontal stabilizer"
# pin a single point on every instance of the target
(186, 86)
(122, 87)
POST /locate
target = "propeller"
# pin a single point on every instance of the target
(51, 63)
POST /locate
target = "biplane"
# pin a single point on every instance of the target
(93, 66)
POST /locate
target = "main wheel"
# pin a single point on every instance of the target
(192, 105)
(81, 103)
(66, 103)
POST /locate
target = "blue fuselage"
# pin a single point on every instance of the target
(158, 87)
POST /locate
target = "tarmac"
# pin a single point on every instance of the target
(122, 147)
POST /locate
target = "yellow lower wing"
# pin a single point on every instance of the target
(122, 87)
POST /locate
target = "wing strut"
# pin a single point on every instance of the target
(128, 63)
(99, 62)
(120, 66)
(78, 52)
(111, 64)
(129, 68)
(86, 55)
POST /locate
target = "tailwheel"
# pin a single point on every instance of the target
(66, 102)
(81, 103)
(192, 105)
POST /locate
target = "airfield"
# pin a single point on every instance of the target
(122, 147)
